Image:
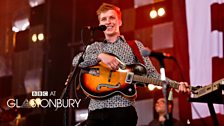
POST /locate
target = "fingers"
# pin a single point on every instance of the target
(112, 62)
(184, 87)
(114, 65)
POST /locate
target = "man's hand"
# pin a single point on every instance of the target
(184, 88)
(110, 61)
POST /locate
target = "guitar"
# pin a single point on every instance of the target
(100, 82)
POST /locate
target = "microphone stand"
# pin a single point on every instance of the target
(71, 77)
(165, 86)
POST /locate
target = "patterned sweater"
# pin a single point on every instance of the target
(123, 51)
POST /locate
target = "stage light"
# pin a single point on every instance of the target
(161, 11)
(34, 3)
(15, 29)
(159, 87)
(34, 38)
(25, 25)
(153, 14)
(151, 87)
(40, 36)
(21, 25)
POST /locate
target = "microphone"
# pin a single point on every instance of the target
(158, 55)
(100, 28)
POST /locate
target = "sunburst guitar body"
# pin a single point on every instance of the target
(101, 82)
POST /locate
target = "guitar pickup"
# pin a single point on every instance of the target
(92, 71)
(129, 77)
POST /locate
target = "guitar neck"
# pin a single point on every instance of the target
(154, 81)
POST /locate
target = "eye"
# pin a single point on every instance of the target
(112, 17)
(103, 19)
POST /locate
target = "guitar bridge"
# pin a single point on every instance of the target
(129, 77)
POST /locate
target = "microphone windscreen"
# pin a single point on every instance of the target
(102, 27)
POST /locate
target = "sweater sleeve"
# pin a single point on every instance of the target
(89, 57)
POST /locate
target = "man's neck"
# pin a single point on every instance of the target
(113, 38)
(161, 118)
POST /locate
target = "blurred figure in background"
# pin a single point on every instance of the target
(160, 108)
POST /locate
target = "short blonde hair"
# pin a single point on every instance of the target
(105, 7)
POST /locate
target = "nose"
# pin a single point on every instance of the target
(108, 21)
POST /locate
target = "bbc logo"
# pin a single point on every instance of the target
(39, 93)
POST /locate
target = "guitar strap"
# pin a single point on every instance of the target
(135, 50)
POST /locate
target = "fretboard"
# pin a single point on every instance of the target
(154, 81)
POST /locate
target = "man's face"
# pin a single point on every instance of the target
(111, 20)
(160, 106)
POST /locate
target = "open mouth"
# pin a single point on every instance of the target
(109, 27)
